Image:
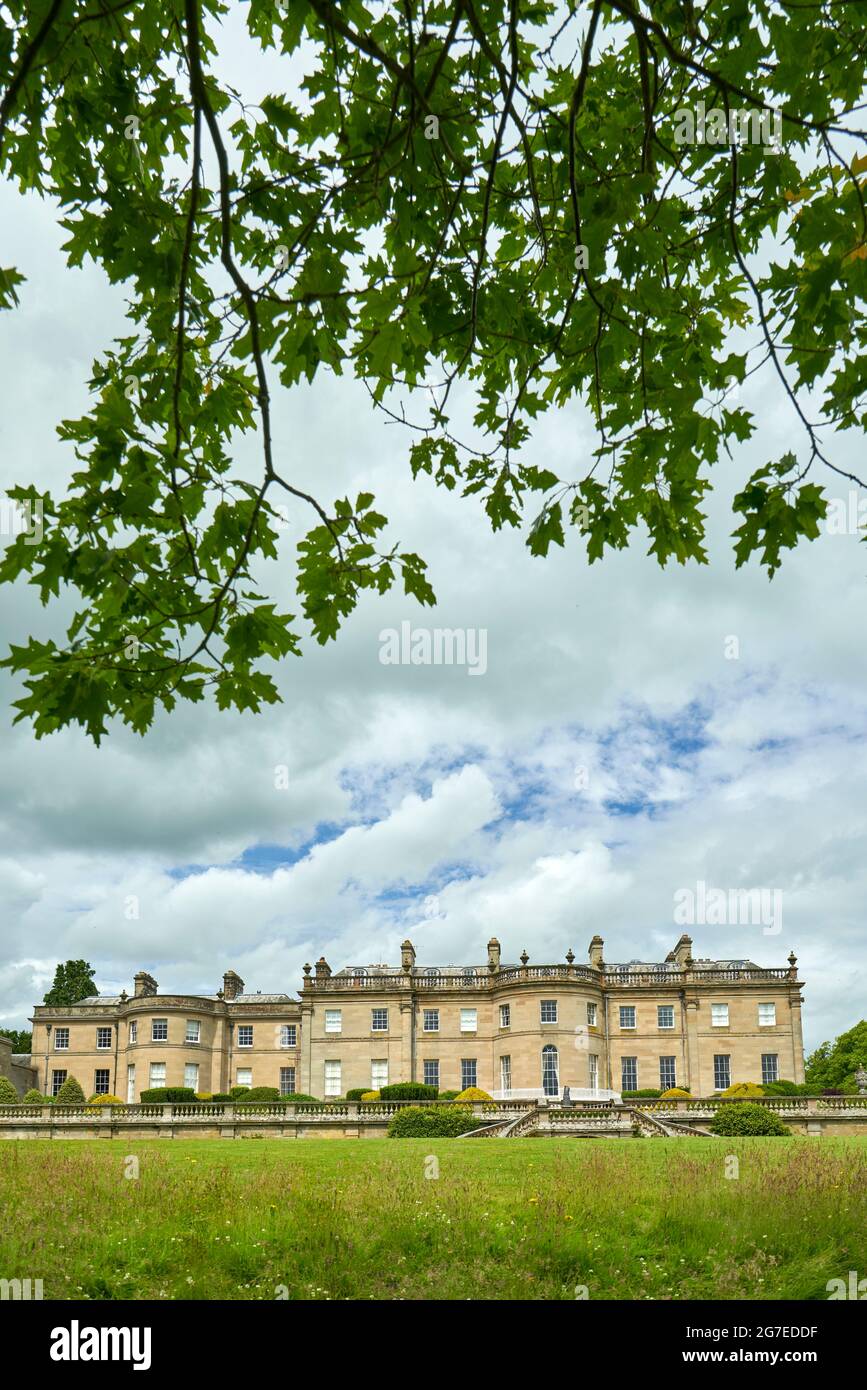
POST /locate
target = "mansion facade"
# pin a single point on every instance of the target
(512, 1029)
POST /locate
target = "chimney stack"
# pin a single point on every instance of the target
(323, 969)
(233, 985)
(683, 951)
(145, 985)
(407, 955)
(596, 952)
(493, 954)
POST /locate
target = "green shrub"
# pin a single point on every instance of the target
(746, 1118)
(238, 1092)
(781, 1088)
(675, 1093)
(204, 1095)
(370, 1096)
(408, 1090)
(472, 1093)
(357, 1093)
(649, 1094)
(747, 1089)
(299, 1098)
(431, 1122)
(221, 1095)
(8, 1093)
(33, 1097)
(105, 1100)
(70, 1093)
(165, 1095)
(260, 1093)
(447, 1095)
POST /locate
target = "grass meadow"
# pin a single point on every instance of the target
(359, 1219)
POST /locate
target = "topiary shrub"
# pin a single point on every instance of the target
(746, 1089)
(649, 1094)
(259, 1093)
(744, 1118)
(357, 1093)
(70, 1093)
(370, 1095)
(33, 1097)
(8, 1093)
(431, 1122)
(165, 1095)
(299, 1098)
(472, 1093)
(237, 1092)
(408, 1090)
(675, 1093)
(105, 1100)
(204, 1095)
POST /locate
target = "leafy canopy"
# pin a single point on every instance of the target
(834, 1064)
(489, 193)
(72, 983)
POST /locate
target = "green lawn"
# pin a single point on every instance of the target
(524, 1218)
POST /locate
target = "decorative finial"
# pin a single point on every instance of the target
(524, 957)
(307, 969)
(570, 956)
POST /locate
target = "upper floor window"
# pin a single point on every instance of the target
(61, 1039)
(591, 1015)
(194, 1030)
(505, 1015)
(103, 1038)
(469, 1021)
(245, 1037)
(719, 1015)
(431, 1021)
(767, 1015)
(548, 1010)
(333, 1020)
(379, 1020)
(289, 1035)
(133, 1030)
(627, 1015)
(665, 1016)
(159, 1029)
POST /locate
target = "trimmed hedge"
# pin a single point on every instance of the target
(221, 1095)
(649, 1094)
(746, 1118)
(472, 1093)
(748, 1089)
(259, 1093)
(408, 1090)
(8, 1093)
(431, 1122)
(370, 1096)
(447, 1095)
(164, 1095)
(70, 1093)
(357, 1092)
(299, 1098)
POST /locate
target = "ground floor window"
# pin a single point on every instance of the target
(158, 1074)
(468, 1072)
(594, 1071)
(770, 1068)
(130, 1084)
(432, 1072)
(378, 1074)
(629, 1073)
(722, 1072)
(100, 1081)
(667, 1073)
(287, 1081)
(506, 1073)
(550, 1071)
(57, 1080)
(191, 1076)
(332, 1079)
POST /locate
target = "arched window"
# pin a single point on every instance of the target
(550, 1070)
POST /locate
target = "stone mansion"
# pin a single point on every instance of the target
(512, 1029)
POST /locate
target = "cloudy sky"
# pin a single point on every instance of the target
(614, 752)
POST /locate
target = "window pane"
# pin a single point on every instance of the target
(550, 1071)
(287, 1081)
(667, 1073)
(665, 1016)
(770, 1068)
(379, 1020)
(468, 1071)
(431, 1072)
(549, 1011)
(629, 1073)
(627, 1016)
(333, 1021)
(468, 1021)
(431, 1020)
(505, 1016)
(722, 1072)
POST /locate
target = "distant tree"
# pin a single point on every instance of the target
(72, 983)
(834, 1064)
(21, 1041)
